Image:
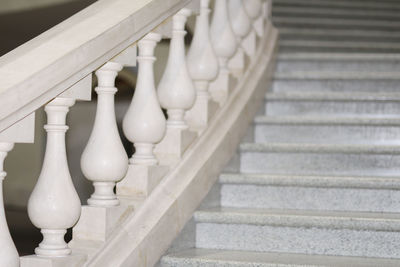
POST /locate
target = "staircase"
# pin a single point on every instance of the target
(318, 185)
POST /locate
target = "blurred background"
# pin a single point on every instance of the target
(21, 21)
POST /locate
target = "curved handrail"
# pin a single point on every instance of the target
(39, 70)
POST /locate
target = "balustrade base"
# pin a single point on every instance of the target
(238, 64)
(74, 259)
(249, 44)
(140, 180)
(222, 87)
(170, 150)
(201, 114)
(97, 223)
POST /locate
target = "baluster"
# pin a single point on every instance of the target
(241, 26)
(253, 10)
(202, 64)
(144, 125)
(20, 132)
(224, 44)
(8, 254)
(177, 94)
(104, 160)
(54, 205)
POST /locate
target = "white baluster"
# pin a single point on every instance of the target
(253, 10)
(241, 25)
(104, 160)
(177, 94)
(144, 125)
(54, 205)
(224, 43)
(8, 253)
(203, 68)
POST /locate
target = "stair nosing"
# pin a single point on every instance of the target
(362, 221)
(276, 259)
(314, 181)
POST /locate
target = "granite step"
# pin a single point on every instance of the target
(332, 23)
(223, 258)
(335, 12)
(326, 81)
(373, 5)
(357, 234)
(351, 62)
(333, 104)
(310, 192)
(317, 159)
(299, 45)
(331, 130)
(313, 34)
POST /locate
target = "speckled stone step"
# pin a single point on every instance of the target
(338, 46)
(230, 258)
(332, 23)
(330, 130)
(317, 159)
(310, 232)
(310, 192)
(327, 81)
(353, 5)
(335, 12)
(337, 34)
(352, 62)
(337, 104)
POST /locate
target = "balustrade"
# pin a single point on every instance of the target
(224, 44)
(191, 90)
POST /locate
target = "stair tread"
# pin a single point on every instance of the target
(333, 96)
(320, 148)
(339, 56)
(340, 44)
(342, 3)
(375, 221)
(337, 75)
(326, 181)
(268, 259)
(338, 32)
(328, 120)
(338, 22)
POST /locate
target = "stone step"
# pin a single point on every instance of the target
(320, 159)
(373, 5)
(331, 130)
(313, 34)
(338, 46)
(290, 62)
(333, 104)
(223, 258)
(359, 234)
(335, 12)
(331, 23)
(310, 192)
(336, 81)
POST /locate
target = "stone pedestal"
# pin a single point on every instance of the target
(97, 223)
(249, 44)
(238, 64)
(68, 261)
(170, 150)
(221, 88)
(140, 180)
(201, 113)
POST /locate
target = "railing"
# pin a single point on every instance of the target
(210, 95)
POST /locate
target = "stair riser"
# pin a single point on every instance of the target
(322, 134)
(332, 108)
(325, 13)
(319, 163)
(334, 49)
(338, 37)
(360, 5)
(333, 65)
(309, 198)
(298, 240)
(332, 85)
